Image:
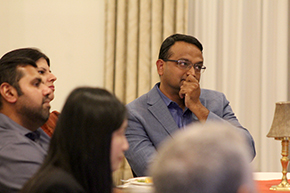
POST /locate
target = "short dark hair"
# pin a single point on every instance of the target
(31, 53)
(164, 52)
(9, 72)
(81, 143)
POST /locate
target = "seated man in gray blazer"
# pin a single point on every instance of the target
(174, 102)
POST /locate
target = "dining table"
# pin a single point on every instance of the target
(263, 182)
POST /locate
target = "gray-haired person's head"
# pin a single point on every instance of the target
(203, 158)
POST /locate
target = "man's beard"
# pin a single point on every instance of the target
(37, 116)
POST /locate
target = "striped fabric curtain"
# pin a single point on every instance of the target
(134, 32)
(246, 52)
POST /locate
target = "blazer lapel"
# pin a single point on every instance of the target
(160, 111)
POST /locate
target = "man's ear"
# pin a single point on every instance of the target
(160, 66)
(8, 92)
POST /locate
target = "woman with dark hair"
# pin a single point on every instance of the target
(43, 68)
(86, 147)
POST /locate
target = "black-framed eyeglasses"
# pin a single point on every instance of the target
(186, 65)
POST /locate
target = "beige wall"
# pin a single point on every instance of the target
(70, 32)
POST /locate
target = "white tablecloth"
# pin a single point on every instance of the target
(129, 188)
(267, 175)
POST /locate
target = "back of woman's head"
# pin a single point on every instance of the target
(31, 53)
(81, 142)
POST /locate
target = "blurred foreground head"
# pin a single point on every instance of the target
(204, 158)
(88, 144)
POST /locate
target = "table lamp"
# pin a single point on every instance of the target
(280, 130)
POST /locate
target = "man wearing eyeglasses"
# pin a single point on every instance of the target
(176, 101)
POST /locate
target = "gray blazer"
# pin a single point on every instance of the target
(150, 122)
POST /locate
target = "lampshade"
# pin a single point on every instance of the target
(281, 121)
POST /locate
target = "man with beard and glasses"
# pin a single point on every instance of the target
(176, 101)
(24, 107)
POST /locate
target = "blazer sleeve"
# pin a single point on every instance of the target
(149, 123)
(220, 110)
(141, 148)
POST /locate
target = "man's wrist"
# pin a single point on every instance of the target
(200, 111)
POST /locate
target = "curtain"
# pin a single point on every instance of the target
(246, 52)
(134, 31)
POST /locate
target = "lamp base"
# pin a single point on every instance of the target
(283, 186)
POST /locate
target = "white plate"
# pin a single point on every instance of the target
(140, 181)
